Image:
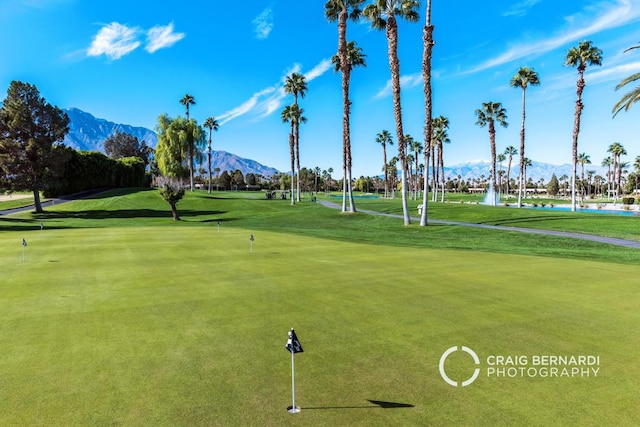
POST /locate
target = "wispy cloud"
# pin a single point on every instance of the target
(263, 23)
(520, 8)
(162, 36)
(267, 101)
(580, 26)
(114, 40)
(406, 81)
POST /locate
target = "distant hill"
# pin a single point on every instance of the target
(88, 133)
(230, 162)
(536, 171)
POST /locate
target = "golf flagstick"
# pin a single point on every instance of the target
(293, 345)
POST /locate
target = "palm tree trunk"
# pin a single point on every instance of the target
(209, 164)
(576, 130)
(386, 174)
(394, 64)
(492, 178)
(293, 172)
(441, 167)
(298, 159)
(37, 204)
(520, 177)
(427, 37)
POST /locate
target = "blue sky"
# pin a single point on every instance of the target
(129, 61)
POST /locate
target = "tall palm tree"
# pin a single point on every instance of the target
(608, 162)
(583, 159)
(427, 52)
(440, 136)
(617, 150)
(488, 115)
(296, 84)
(527, 163)
(630, 97)
(212, 124)
(384, 138)
(290, 114)
(416, 147)
(581, 56)
(382, 14)
(355, 57)
(510, 151)
(187, 100)
(501, 157)
(342, 11)
(523, 78)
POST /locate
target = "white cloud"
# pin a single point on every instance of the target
(318, 70)
(114, 40)
(269, 100)
(580, 26)
(162, 36)
(521, 8)
(406, 81)
(263, 23)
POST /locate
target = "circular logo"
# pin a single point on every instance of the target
(444, 375)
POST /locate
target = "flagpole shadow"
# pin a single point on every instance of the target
(375, 404)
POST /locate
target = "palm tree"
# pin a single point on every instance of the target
(630, 97)
(384, 138)
(581, 56)
(382, 14)
(212, 124)
(296, 84)
(342, 10)
(501, 157)
(416, 147)
(617, 150)
(608, 162)
(488, 115)
(523, 78)
(510, 151)
(187, 100)
(354, 58)
(428, 43)
(439, 127)
(583, 159)
(527, 163)
(290, 114)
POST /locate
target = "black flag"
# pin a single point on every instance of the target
(293, 343)
(24, 242)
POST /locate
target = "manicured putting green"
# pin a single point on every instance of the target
(182, 325)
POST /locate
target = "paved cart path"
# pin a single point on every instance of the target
(591, 237)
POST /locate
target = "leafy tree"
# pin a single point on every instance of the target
(237, 179)
(488, 115)
(553, 187)
(212, 124)
(581, 56)
(171, 159)
(382, 14)
(384, 138)
(30, 131)
(224, 180)
(120, 144)
(524, 77)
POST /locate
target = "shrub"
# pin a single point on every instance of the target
(628, 200)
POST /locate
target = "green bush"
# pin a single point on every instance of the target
(628, 200)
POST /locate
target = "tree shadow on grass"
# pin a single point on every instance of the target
(375, 404)
(122, 214)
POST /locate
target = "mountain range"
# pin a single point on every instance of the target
(88, 133)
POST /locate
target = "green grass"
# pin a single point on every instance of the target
(119, 316)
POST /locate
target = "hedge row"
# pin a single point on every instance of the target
(88, 170)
